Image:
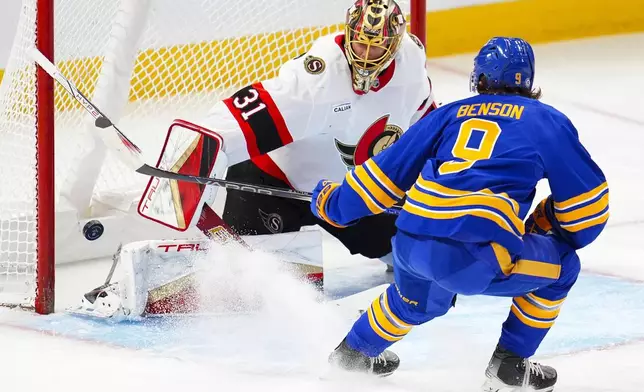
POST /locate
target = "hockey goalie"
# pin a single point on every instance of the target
(350, 96)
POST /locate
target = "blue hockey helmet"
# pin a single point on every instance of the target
(505, 62)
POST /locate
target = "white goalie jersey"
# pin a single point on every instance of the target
(308, 122)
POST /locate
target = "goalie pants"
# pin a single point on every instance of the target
(429, 272)
(254, 214)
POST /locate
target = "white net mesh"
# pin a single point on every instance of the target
(145, 63)
(18, 167)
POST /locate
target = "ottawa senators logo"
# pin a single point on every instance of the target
(314, 65)
(376, 138)
(273, 222)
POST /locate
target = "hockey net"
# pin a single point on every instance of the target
(144, 63)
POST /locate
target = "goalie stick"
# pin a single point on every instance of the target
(132, 155)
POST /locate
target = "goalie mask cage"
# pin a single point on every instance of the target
(144, 63)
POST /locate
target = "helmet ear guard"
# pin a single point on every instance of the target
(375, 26)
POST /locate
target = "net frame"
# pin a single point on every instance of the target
(45, 164)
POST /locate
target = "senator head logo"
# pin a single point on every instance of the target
(376, 138)
(314, 65)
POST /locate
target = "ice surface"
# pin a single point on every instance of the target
(596, 345)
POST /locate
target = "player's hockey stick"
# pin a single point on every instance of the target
(132, 155)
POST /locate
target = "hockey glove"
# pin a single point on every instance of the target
(543, 221)
(538, 222)
(321, 196)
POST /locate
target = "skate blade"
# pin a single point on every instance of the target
(496, 385)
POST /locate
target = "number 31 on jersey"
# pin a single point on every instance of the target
(469, 154)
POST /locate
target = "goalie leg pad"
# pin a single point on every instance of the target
(160, 277)
(152, 277)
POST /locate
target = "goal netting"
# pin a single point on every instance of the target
(144, 63)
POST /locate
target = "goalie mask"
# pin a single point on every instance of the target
(373, 32)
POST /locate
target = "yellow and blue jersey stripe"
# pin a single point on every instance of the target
(584, 211)
(431, 200)
(375, 189)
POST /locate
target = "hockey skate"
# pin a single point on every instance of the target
(507, 372)
(352, 360)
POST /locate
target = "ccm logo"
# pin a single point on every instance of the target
(182, 247)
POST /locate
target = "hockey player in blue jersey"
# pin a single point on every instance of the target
(469, 172)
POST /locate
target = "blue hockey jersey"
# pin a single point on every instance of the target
(469, 172)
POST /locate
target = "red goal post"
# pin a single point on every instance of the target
(418, 19)
(45, 176)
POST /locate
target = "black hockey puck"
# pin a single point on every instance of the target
(93, 230)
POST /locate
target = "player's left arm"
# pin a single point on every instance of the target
(577, 209)
(380, 182)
